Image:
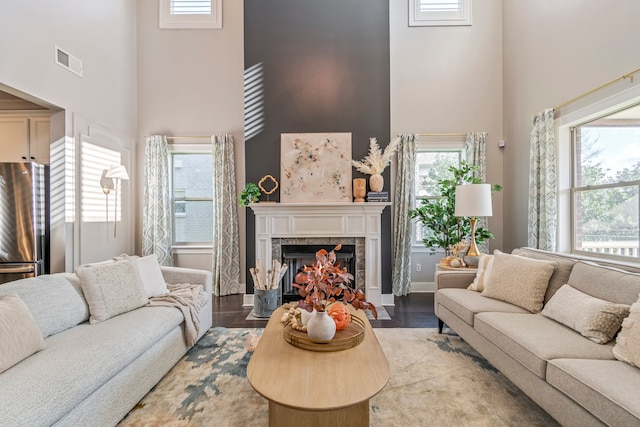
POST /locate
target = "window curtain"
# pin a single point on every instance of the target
(156, 212)
(226, 248)
(403, 199)
(476, 155)
(543, 183)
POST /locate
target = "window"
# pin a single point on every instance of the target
(606, 184)
(192, 198)
(439, 12)
(432, 165)
(190, 14)
(98, 205)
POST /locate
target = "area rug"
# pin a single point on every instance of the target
(436, 380)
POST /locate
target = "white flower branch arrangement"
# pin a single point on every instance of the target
(377, 160)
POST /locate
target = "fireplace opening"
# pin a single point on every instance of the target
(297, 256)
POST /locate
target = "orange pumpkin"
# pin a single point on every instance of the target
(340, 314)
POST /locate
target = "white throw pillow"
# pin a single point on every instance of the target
(484, 270)
(519, 280)
(20, 337)
(111, 289)
(150, 275)
(627, 348)
(594, 318)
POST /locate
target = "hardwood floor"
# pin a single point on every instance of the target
(411, 311)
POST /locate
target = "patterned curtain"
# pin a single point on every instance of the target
(226, 249)
(476, 155)
(156, 213)
(543, 183)
(403, 199)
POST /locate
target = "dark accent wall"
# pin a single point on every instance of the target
(325, 69)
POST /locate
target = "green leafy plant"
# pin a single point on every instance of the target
(324, 282)
(438, 215)
(250, 194)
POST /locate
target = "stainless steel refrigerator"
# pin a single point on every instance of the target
(24, 220)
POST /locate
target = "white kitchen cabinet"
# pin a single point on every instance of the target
(24, 139)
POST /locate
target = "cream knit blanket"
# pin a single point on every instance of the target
(187, 298)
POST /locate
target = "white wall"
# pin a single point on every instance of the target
(190, 82)
(449, 80)
(553, 52)
(102, 34)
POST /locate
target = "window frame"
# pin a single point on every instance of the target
(439, 146)
(574, 188)
(185, 149)
(167, 20)
(461, 17)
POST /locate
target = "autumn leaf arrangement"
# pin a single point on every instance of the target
(324, 283)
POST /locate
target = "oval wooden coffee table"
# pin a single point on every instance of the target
(317, 388)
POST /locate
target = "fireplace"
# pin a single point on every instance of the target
(297, 256)
(326, 224)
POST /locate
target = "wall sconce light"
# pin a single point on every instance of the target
(116, 173)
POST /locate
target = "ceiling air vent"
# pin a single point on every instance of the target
(68, 61)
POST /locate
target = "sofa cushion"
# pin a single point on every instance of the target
(607, 283)
(56, 301)
(594, 318)
(533, 339)
(78, 361)
(466, 304)
(608, 388)
(111, 289)
(627, 348)
(484, 270)
(560, 273)
(20, 337)
(519, 280)
(150, 275)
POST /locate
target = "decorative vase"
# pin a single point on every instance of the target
(376, 182)
(321, 327)
(306, 315)
(359, 189)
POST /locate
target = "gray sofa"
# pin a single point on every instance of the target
(575, 380)
(92, 374)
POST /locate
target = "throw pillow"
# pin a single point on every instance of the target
(519, 280)
(594, 318)
(20, 337)
(111, 289)
(627, 348)
(150, 275)
(484, 269)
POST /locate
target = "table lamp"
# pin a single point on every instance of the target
(473, 200)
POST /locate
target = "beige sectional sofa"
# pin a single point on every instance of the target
(86, 372)
(577, 381)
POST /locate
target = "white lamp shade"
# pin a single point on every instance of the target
(118, 172)
(473, 200)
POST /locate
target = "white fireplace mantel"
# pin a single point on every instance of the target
(338, 219)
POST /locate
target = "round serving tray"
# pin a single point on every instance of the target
(349, 337)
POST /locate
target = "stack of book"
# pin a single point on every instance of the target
(378, 196)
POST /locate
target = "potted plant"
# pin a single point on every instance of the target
(324, 283)
(250, 194)
(438, 215)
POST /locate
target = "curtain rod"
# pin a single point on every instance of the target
(623, 77)
(443, 134)
(190, 137)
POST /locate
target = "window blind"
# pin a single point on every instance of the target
(190, 7)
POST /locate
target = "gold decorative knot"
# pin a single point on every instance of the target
(274, 182)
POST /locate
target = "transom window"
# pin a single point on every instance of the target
(439, 12)
(190, 14)
(192, 198)
(432, 165)
(606, 185)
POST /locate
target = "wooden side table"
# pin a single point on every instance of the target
(308, 388)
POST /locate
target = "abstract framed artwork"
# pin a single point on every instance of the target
(315, 167)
